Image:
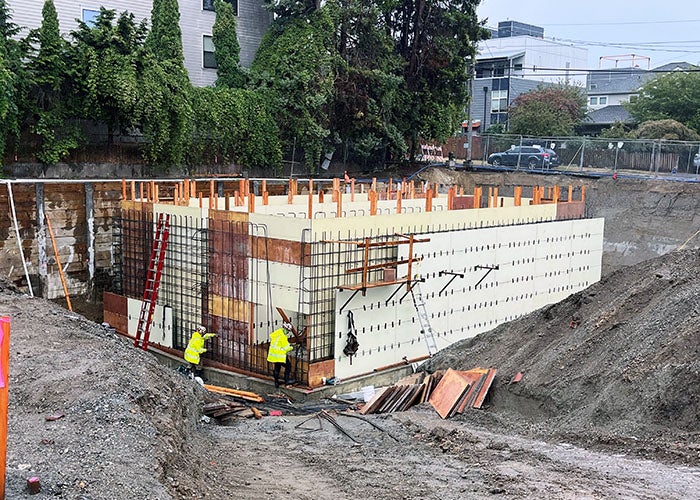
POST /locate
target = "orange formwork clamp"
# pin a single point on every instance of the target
(4, 394)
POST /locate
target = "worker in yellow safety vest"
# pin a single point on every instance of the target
(195, 347)
(277, 355)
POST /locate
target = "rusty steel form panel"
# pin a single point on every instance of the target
(227, 307)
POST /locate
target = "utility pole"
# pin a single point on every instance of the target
(470, 128)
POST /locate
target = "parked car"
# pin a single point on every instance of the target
(532, 156)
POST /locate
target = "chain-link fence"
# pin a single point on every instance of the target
(601, 155)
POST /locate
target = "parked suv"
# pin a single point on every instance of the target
(532, 156)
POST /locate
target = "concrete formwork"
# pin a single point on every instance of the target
(323, 257)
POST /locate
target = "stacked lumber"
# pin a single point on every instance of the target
(459, 390)
(223, 410)
(407, 392)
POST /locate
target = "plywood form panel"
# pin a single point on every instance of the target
(277, 250)
(115, 311)
(571, 210)
(228, 307)
(228, 253)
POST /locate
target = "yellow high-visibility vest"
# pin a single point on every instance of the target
(195, 347)
(279, 347)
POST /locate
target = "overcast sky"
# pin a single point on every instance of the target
(664, 30)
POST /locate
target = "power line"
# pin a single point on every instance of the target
(624, 23)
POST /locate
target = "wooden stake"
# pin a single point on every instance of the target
(58, 262)
(251, 203)
(124, 189)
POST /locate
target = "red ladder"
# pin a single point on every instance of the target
(150, 291)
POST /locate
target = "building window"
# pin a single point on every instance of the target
(603, 101)
(209, 5)
(209, 61)
(89, 16)
(593, 101)
(499, 101)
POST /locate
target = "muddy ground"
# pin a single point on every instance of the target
(609, 408)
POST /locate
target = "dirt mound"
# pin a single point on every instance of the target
(90, 415)
(616, 363)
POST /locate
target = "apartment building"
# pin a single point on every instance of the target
(196, 21)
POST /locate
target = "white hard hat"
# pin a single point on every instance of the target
(202, 329)
(287, 326)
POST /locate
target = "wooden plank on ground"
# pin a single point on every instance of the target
(379, 396)
(249, 396)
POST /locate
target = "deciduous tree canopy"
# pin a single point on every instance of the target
(547, 111)
(674, 96)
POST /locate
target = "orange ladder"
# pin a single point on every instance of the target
(150, 291)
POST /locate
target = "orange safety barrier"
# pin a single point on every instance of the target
(4, 389)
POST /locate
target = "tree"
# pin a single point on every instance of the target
(368, 85)
(11, 78)
(164, 108)
(547, 111)
(669, 130)
(234, 125)
(227, 50)
(435, 39)
(106, 58)
(673, 96)
(296, 63)
(49, 106)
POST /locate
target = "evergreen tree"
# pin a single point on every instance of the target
(11, 77)
(227, 50)
(105, 58)
(49, 105)
(165, 110)
(296, 62)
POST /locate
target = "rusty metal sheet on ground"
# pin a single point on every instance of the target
(448, 392)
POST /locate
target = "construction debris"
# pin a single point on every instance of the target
(225, 411)
(407, 392)
(449, 392)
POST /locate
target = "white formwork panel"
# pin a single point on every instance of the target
(161, 326)
(283, 286)
(281, 228)
(385, 333)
